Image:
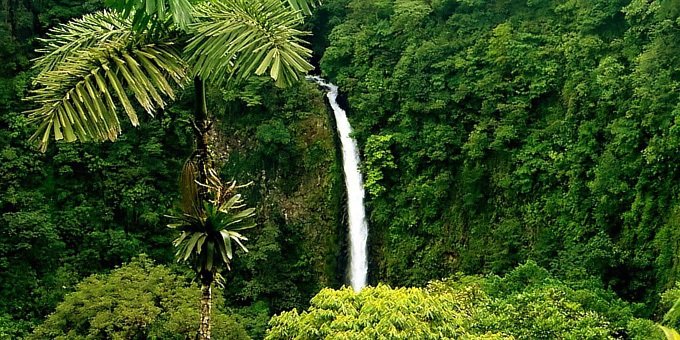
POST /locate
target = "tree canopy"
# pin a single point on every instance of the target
(499, 131)
(491, 133)
(139, 300)
(528, 303)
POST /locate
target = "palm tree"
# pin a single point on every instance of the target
(206, 237)
(108, 66)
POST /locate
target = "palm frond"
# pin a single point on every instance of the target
(303, 6)
(670, 333)
(236, 38)
(151, 13)
(78, 97)
(71, 39)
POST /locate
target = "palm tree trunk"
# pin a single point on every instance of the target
(202, 126)
(206, 310)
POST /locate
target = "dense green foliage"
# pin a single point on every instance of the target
(283, 142)
(81, 209)
(525, 304)
(670, 300)
(74, 210)
(92, 66)
(492, 132)
(498, 131)
(136, 301)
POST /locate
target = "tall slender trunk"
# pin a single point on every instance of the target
(202, 125)
(206, 310)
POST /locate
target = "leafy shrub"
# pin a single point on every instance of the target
(12, 329)
(136, 301)
(526, 304)
(671, 301)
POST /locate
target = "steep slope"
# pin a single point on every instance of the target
(495, 132)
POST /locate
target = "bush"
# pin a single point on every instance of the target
(11, 328)
(136, 301)
(527, 303)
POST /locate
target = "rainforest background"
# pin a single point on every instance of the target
(492, 133)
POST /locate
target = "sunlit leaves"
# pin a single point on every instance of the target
(402, 313)
(101, 63)
(93, 68)
(68, 40)
(79, 99)
(304, 6)
(136, 301)
(145, 13)
(466, 307)
(671, 334)
(236, 38)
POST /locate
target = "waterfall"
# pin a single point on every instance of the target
(358, 227)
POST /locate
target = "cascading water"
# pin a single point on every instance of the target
(358, 227)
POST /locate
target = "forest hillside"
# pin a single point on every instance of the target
(520, 161)
(496, 132)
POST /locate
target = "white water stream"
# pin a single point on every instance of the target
(358, 227)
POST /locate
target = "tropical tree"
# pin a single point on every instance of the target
(527, 303)
(139, 300)
(108, 66)
(207, 232)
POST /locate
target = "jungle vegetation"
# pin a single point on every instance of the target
(520, 159)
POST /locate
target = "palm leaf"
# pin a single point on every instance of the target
(227, 243)
(201, 240)
(152, 13)
(191, 245)
(236, 38)
(671, 334)
(180, 239)
(238, 217)
(78, 98)
(229, 204)
(238, 240)
(222, 250)
(304, 6)
(71, 39)
(244, 227)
